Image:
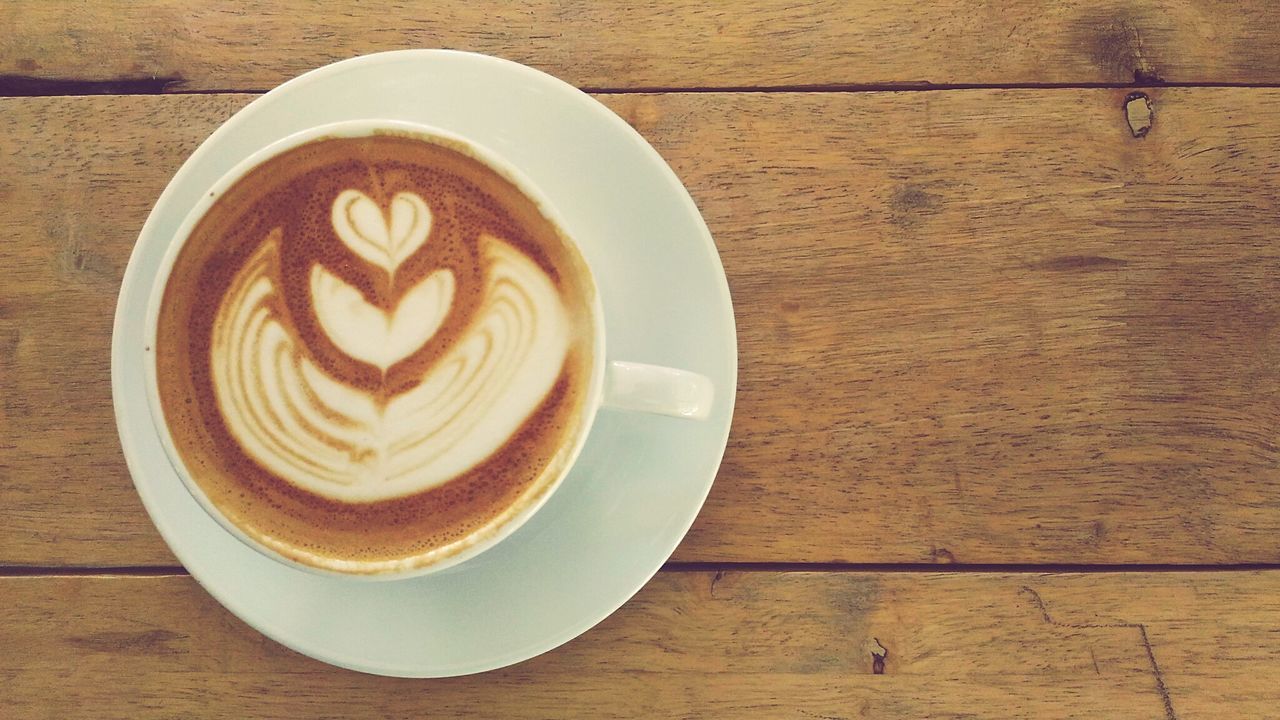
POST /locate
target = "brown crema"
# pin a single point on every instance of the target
(288, 199)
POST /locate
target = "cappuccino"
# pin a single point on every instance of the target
(374, 349)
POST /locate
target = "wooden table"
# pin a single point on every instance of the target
(1007, 282)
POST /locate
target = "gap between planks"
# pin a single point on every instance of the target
(23, 571)
(26, 86)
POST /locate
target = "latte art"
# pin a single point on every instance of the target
(373, 335)
(359, 222)
(348, 444)
(373, 351)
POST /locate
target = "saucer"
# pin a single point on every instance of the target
(641, 479)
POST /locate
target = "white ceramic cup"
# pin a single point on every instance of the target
(613, 383)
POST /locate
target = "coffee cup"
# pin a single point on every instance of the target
(373, 350)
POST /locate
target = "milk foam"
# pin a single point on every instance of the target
(341, 442)
(360, 224)
(370, 334)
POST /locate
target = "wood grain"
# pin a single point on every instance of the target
(985, 326)
(178, 45)
(1163, 646)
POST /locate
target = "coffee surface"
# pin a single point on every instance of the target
(374, 348)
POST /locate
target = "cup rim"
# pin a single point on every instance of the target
(484, 537)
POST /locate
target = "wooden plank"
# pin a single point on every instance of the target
(778, 645)
(177, 45)
(981, 326)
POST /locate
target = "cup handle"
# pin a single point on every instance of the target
(658, 390)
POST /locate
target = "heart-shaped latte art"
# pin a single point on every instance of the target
(339, 441)
(382, 240)
(370, 334)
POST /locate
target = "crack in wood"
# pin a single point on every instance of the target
(31, 86)
(715, 580)
(1161, 688)
(1155, 667)
(879, 653)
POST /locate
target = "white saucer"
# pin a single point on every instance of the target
(639, 483)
